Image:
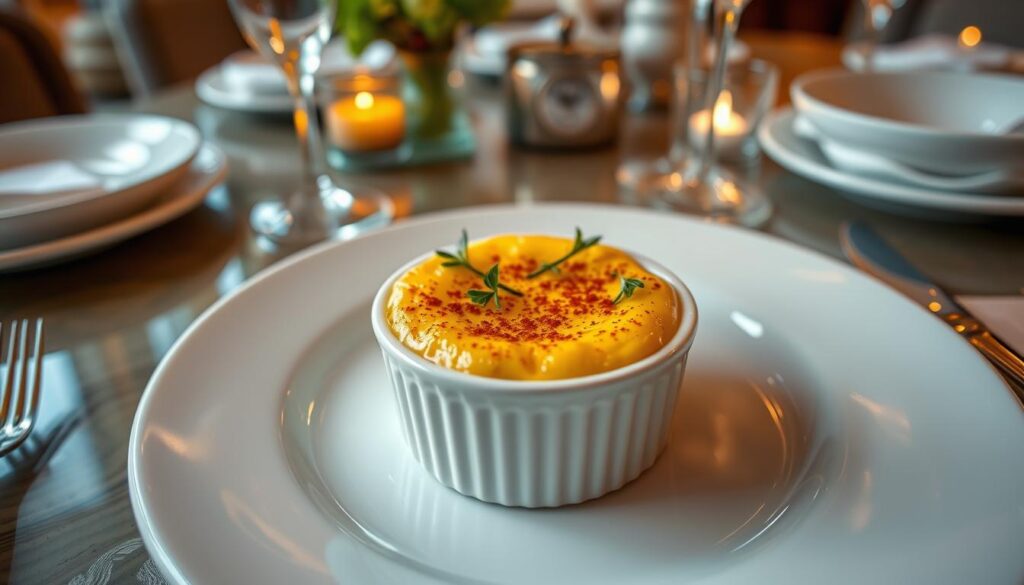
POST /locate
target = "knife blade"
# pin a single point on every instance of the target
(869, 252)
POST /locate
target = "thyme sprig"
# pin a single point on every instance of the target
(627, 286)
(491, 281)
(461, 258)
(577, 246)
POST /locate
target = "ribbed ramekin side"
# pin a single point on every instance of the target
(540, 451)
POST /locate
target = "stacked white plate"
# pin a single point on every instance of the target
(927, 142)
(248, 82)
(70, 185)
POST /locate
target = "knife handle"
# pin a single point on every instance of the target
(1008, 362)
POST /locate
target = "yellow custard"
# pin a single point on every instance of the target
(564, 326)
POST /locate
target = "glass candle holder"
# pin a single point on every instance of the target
(365, 120)
(748, 93)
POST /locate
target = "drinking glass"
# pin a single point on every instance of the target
(696, 184)
(877, 14)
(292, 33)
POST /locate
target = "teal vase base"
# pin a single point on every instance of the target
(368, 161)
(457, 143)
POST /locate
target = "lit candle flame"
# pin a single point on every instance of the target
(970, 37)
(723, 109)
(364, 100)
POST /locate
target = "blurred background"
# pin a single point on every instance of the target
(66, 56)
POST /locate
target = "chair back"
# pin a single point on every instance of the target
(34, 80)
(164, 42)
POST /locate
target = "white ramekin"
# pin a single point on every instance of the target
(537, 443)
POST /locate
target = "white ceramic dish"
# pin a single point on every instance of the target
(869, 164)
(212, 89)
(812, 446)
(780, 141)
(66, 174)
(944, 123)
(248, 83)
(207, 169)
(537, 444)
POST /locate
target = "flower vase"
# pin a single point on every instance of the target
(439, 125)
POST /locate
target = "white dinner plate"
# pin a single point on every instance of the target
(781, 142)
(208, 168)
(829, 431)
(66, 174)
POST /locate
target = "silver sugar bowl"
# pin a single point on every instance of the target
(563, 95)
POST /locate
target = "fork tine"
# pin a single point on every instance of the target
(18, 426)
(38, 348)
(19, 405)
(8, 385)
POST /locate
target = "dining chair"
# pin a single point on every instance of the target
(36, 83)
(163, 42)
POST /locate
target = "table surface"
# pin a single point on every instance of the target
(64, 512)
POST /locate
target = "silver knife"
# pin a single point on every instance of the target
(869, 252)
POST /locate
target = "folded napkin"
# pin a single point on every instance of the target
(249, 72)
(1004, 316)
(935, 52)
(494, 40)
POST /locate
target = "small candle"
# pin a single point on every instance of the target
(730, 127)
(366, 122)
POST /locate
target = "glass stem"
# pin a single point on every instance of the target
(696, 42)
(730, 21)
(307, 124)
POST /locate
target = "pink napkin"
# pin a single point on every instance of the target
(1004, 316)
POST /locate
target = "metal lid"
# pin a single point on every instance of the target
(564, 50)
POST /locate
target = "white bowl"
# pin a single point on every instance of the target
(117, 163)
(945, 123)
(537, 443)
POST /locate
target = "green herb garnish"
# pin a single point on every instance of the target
(577, 246)
(461, 258)
(626, 288)
(482, 297)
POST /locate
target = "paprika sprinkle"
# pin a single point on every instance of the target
(564, 325)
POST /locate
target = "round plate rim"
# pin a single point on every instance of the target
(148, 218)
(162, 557)
(188, 130)
(822, 173)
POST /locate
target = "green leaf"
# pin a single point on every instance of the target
(491, 279)
(578, 245)
(627, 286)
(480, 297)
(463, 248)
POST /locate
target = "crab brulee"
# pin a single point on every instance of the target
(531, 307)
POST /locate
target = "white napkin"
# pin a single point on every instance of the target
(935, 52)
(494, 40)
(250, 72)
(1004, 316)
(56, 177)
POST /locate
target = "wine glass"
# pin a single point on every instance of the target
(292, 33)
(877, 14)
(694, 183)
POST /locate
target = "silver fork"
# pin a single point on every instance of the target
(19, 393)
